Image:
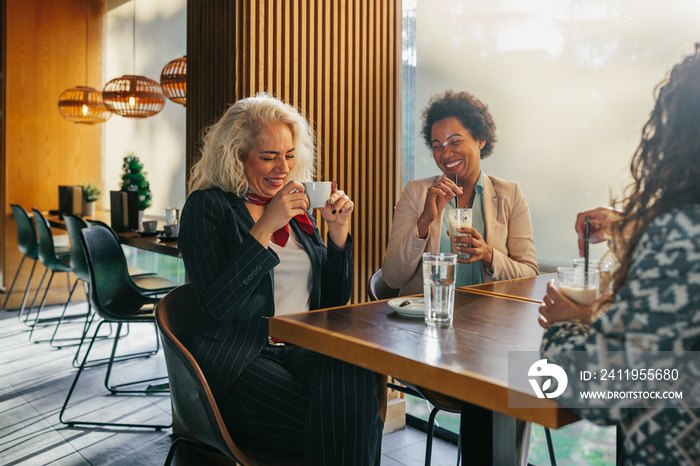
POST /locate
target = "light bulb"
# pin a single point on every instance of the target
(132, 101)
(85, 110)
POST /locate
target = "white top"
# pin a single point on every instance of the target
(292, 277)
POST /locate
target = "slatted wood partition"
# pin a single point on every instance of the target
(339, 63)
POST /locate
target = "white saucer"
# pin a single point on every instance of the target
(414, 310)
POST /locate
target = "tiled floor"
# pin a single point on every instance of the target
(34, 380)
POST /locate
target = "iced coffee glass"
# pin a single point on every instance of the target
(579, 286)
(458, 218)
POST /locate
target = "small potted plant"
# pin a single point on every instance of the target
(91, 193)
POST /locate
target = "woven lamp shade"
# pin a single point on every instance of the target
(133, 96)
(173, 80)
(83, 104)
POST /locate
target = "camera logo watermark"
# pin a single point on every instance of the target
(543, 369)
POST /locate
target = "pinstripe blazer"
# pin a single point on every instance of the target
(232, 280)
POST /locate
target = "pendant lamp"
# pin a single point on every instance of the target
(173, 80)
(133, 96)
(83, 104)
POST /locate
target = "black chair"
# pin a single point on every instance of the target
(79, 267)
(28, 246)
(147, 282)
(133, 271)
(78, 262)
(378, 289)
(53, 263)
(116, 300)
(196, 415)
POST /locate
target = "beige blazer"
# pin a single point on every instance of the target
(508, 232)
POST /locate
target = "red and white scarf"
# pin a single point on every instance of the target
(281, 236)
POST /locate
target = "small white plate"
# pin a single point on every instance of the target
(414, 310)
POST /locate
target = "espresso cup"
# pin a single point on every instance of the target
(171, 231)
(149, 226)
(172, 215)
(318, 192)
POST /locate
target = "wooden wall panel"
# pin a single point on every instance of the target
(45, 54)
(214, 30)
(3, 68)
(338, 62)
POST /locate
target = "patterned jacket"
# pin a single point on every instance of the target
(657, 309)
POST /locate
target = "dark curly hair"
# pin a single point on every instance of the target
(666, 165)
(470, 111)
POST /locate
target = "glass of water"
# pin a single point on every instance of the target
(439, 288)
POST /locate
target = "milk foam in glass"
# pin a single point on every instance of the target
(579, 286)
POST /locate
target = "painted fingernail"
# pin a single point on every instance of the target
(333, 212)
(340, 211)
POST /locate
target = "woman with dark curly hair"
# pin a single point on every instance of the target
(460, 131)
(655, 305)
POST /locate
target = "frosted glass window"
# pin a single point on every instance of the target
(570, 85)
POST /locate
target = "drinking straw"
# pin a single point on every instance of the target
(457, 196)
(585, 252)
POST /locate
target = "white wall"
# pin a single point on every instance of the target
(569, 84)
(159, 141)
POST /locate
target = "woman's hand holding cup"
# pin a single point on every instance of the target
(337, 213)
(556, 307)
(474, 246)
(289, 202)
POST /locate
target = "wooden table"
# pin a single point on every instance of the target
(531, 289)
(130, 238)
(468, 361)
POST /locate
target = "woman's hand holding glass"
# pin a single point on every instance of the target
(337, 213)
(438, 196)
(556, 307)
(475, 245)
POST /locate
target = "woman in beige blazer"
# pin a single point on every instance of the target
(460, 132)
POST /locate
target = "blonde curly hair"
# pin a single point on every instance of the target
(228, 142)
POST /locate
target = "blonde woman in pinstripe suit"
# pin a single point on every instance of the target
(251, 251)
